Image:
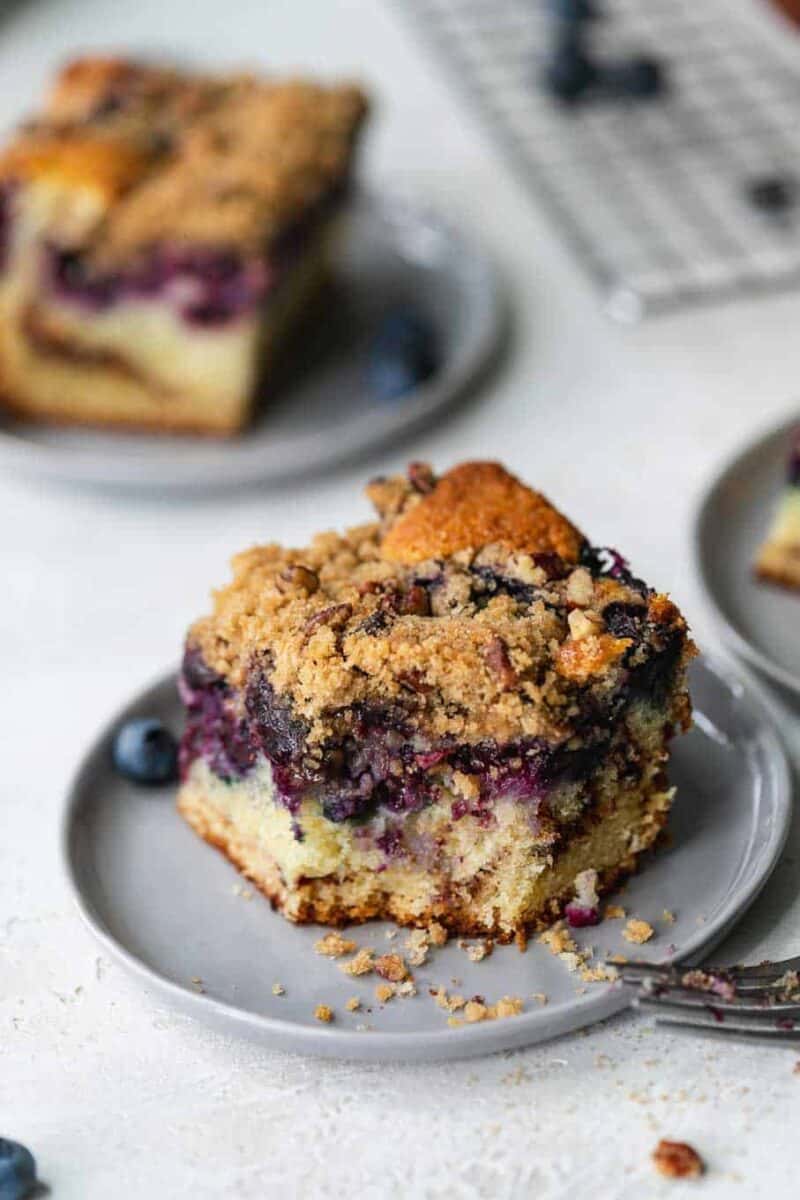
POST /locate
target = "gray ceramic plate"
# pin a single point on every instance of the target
(166, 905)
(759, 622)
(395, 252)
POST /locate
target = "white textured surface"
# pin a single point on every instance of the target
(120, 1098)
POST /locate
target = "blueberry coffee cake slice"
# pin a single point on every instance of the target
(449, 714)
(159, 230)
(778, 559)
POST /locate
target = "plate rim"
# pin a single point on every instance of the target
(730, 633)
(128, 472)
(434, 1045)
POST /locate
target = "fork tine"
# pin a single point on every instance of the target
(696, 1020)
(720, 1009)
(747, 980)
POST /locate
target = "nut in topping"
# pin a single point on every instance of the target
(583, 624)
(421, 477)
(580, 588)
(335, 617)
(297, 577)
(498, 661)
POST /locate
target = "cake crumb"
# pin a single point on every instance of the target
(668, 917)
(451, 1003)
(599, 974)
(437, 934)
(384, 992)
(278, 989)
(198, 984)
(558, 939)
(620, 959)
(614, 912)
(474, 1011)
(361, 964)
(391, 967)
(333, 945)
(677, 1160)
(353, 1004)
(454, 1022)
(509, 1006)
(477, 951)
(417, 944)
(239, 889)
(323, 1013)
(637, 931)
(406, 988)
(540, 997)
(521, 940)
(390, 934)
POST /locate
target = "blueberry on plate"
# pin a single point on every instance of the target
(145, 751)
(17, 1170)
(403, 354)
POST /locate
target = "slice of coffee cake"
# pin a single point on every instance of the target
(158, 231)
(778, 558)
(448, 714)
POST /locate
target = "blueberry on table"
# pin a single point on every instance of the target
(403, 354)
(17, 1170)
(572, 10)
(772, 194)
(145, 751)
(641, 78)
(569, 72)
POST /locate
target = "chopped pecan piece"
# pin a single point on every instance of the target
(335, 616)
(296, 575)
(498, 661)
(677, 1160)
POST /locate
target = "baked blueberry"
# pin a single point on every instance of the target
(17, 1170)
(403, 354)
(145, 751)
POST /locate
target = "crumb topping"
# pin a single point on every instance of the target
(495, 633)
(323, 1012)
(184, 158)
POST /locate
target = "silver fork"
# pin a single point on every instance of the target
(761, 1000)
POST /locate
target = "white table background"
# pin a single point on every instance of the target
(118, 1097)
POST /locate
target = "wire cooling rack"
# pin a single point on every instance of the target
(651, 196)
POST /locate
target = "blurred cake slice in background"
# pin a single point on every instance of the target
(778, 558)
(159, 231)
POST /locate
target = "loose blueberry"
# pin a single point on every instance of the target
(570, 73)
(641, 78)
(145, 752)
(572, 11)
(403, 354)
(773, 194)
(17, 1170)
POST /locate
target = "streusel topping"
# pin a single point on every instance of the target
(184, 158)
(482, 640)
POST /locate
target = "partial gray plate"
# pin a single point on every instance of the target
(758, 621)
(395, 252)
(170, 908)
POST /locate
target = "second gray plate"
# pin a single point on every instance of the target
(171, 909)
(760, 622)
(396, 252)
